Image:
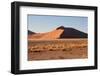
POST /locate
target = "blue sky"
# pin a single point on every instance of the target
(46, 23)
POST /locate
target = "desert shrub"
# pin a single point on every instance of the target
(63, 49)
(44, 47)
(61, 57)
(50, 49)
(53, 46)
(84, 46)
(37, 51)
(68, 49)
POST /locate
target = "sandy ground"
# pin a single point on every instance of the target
(57, 49)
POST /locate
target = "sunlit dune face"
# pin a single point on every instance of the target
(55, 34)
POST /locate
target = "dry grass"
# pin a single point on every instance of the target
(57, 49)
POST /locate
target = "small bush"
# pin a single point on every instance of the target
(63, 49)
(50, 49)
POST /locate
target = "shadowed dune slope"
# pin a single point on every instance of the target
(71, 33)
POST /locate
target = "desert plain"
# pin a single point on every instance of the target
(57, 49)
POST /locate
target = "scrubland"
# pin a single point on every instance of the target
(57, 49)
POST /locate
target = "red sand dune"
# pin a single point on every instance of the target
(60, 32)
(50, 35)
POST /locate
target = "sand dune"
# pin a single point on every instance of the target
(55, 34)
(59, 33)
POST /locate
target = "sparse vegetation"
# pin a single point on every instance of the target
(68, 48)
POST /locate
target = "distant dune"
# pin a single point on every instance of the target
(30, 32)
(59, 33)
